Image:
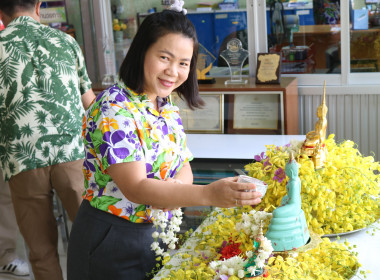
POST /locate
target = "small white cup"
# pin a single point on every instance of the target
(260, 185)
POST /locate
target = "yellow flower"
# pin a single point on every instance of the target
(335, 199)
(117, 25)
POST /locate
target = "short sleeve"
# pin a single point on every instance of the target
(187, 155)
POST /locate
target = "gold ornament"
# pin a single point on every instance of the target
(314, 146)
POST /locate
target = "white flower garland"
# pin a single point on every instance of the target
(231, 266)
(160, 219)
(235, 266)
(251, 222)
(265, 251)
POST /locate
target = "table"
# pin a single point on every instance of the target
(368, 247)
(234, 146)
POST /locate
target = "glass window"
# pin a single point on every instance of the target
(306, 33)
(365, 36)
(215, 28)
(216, 23)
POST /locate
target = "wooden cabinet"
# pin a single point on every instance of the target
(237, 104)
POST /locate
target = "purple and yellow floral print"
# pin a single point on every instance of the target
(122, 126)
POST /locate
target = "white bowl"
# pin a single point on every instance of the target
(260, 185)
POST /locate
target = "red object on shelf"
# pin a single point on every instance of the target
(1, 25)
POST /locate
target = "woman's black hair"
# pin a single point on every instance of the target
(9, 7)
(152, 28)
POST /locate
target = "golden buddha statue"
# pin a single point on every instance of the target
(314, 145)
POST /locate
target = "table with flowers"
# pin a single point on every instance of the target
(341, 205)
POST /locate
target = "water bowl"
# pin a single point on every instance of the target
(260, 185)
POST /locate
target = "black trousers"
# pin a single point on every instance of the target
(104, 246)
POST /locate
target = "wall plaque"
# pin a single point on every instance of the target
(268, 68)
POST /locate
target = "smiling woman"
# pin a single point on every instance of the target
(137, 160)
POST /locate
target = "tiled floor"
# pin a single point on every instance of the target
(21, 251)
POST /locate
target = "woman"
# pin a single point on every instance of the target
(137, 158)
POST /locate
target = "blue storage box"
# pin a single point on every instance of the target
(359, 19)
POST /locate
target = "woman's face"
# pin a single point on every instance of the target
(167, 65)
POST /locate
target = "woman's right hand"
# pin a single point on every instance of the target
(228, 193)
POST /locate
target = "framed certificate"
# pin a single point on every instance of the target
(209, 119)
(256, 113)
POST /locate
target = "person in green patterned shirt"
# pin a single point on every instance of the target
(43, 88)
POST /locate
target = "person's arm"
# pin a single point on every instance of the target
(185, 175)
(87, 98)
(131, 179)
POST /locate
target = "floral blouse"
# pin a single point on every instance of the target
(123, 126)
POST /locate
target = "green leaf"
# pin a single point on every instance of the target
(27, 73)
(54, 140)
(43, 130)
(9, 130)
(157, 164)
(105, 162)
(97, 139)
(26, 131)
(41, 117)
(101, 179)
(133, 218)
(9, 71)
(139, 208)
(11, 94)
(130, 157)
(23, 151)
(104, 202)
(124, 113)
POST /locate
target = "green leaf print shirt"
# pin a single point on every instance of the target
(42, 78)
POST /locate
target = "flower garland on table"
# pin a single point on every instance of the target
(231, 266)
(341, 197)
(329, 260)
(250, 222)
(161, 220)
(254, 261)
(250, 265)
